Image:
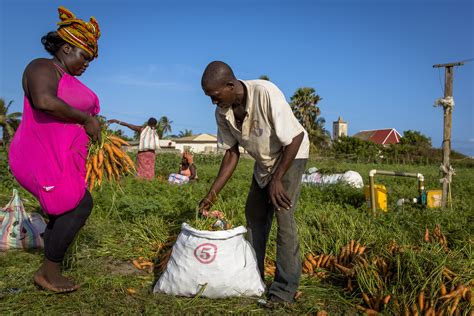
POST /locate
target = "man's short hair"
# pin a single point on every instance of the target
(217, 73)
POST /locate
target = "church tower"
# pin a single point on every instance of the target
(339, 129)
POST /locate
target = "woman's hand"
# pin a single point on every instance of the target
(92, 127)
(278, 195)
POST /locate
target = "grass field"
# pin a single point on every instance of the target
(131, 221)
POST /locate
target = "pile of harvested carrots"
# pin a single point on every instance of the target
(353, 260)
(109, 159)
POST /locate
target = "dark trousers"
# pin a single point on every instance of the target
(62, 229)
(259, 213)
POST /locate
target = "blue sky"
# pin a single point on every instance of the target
(370, 61)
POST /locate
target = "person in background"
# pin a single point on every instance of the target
(187, 167)
(255, 115)
(48, 152)
(149, 144)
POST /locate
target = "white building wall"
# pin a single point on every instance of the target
(197, 147)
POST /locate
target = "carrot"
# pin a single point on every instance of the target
(351, 246)
(99, 176)
(430, 311)
(118, 152)
(356, 249)
(311, 259)
(136, 264)
(108, 168)
(325, 260)
(366, 299)
(443, 289)
(129, 161)
(370, 312)
(361, 250)
(421, 301)
(108, 149)
(455, 305)
(407, 311)
(349, 285)
(100, 156)
(344, 270)
(361, 308)
(91, 181)
(118, 139)
(386, 299)
(89, 168)
(450, 295)
(427, 235)
(318, 264)
(308, 266)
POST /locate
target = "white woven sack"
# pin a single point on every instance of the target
(215, 264)
(353, 178)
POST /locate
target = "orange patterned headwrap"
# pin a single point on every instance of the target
(188, 156)
(77, 32)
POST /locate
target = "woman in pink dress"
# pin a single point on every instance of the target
(48, 152)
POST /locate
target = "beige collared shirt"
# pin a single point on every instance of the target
(268, 126)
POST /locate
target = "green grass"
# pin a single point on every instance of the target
(130, 221)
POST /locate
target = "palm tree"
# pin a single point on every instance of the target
(304, 105)
(320, 135)
(164, 126)
(264, 77)
(8, 122)
(186, 132)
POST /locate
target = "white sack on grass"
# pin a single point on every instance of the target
(218, 263)
(353, 178)
(350, 177)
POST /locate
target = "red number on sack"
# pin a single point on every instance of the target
(205, 253)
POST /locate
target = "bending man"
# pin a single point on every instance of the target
(255, 115)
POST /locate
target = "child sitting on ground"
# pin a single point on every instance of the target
(187, 170)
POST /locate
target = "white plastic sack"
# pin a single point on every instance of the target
(176, 178)
(350, 177)
(353, 179)
(215, 264)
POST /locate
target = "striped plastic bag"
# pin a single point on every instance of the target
(19, 229)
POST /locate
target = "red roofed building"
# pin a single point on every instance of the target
(380, 136)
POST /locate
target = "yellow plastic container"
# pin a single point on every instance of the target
(433, 198)
(380, 197)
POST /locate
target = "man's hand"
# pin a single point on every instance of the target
(205, 205)
(93, 129)
(278, 196)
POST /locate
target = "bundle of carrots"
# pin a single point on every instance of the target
(330, 262)
(437, 236)
(107, 158)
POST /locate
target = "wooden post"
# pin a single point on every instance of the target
(447, 120)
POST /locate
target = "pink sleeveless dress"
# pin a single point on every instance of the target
(47, 156)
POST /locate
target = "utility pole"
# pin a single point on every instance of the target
(448, 104)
